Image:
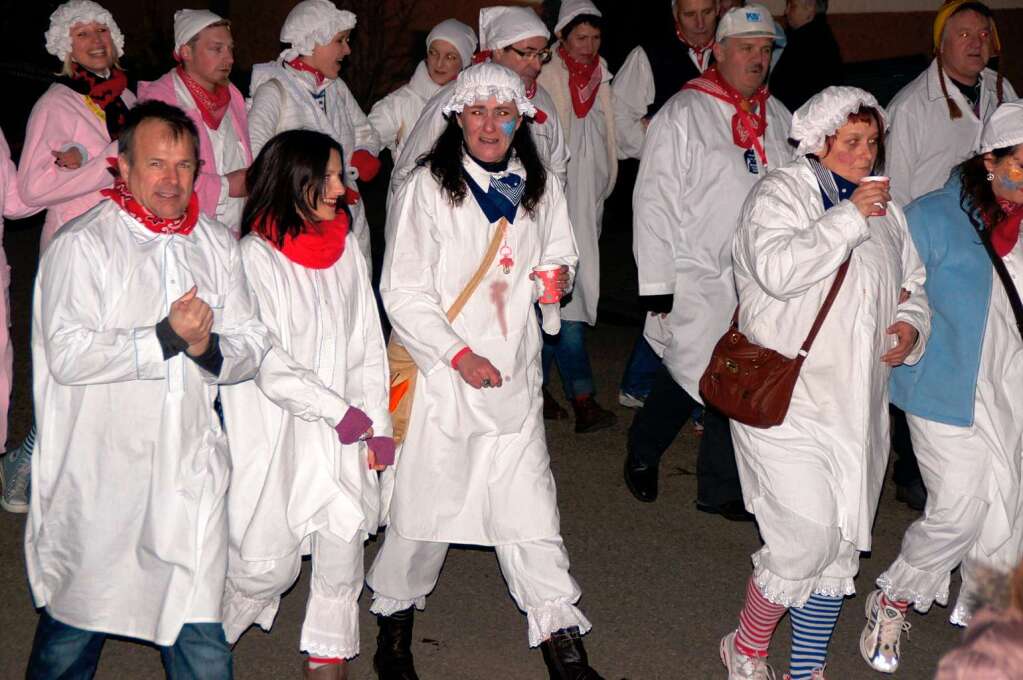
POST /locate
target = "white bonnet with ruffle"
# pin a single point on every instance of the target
(825, 113)
(312, 23)
(483, 81)
(72, 13)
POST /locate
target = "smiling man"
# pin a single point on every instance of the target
(204, 48)
(140, 311)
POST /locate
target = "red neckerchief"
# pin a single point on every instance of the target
(747, 127)
(583, 82)
(212, 105)
(182, 226)
(319, 246)
(699, 51)
(300, 65)
(1006, 233)
(104, 92)
(482, 56)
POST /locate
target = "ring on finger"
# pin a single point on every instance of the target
(486, 382)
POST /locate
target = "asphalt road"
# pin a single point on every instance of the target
(661, 583)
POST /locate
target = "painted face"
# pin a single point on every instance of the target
(443, 62)
(743, 62)
(92, 47)
(526, 57)
(161, 170)
(800, 12)
(966, 46)
(210, 57)
(583, 43)
(853, 150)
(327, 58)
(488, 128)
(1008, 172)
(697, 19)
(333, 188)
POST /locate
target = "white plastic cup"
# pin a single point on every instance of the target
(882, 208)
(548, 273)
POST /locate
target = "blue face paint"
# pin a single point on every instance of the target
(1009, 184)
(508, 128)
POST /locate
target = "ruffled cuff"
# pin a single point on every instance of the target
(795, 593)
(386, 606)
(331, 627)
(553, 616)
(904, 582)
(241, 611)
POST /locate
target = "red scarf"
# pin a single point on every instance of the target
(104, 92)
(1006, 233)
(750, 120)
(300, 65)
(212, 105)
(583, 82)
(699, 51)
(182, 226)
(319, 246)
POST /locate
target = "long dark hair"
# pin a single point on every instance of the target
(977, 198)
(445, 163)
(286, 182)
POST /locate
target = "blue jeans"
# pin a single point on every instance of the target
(568, 349)
(63, 652)
(641, 369)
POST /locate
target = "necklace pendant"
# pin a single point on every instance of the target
(506, 264)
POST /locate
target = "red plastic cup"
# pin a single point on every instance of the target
(548, 273)
(882, 209)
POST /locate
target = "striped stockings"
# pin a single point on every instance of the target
(757, 621)
(812, 626)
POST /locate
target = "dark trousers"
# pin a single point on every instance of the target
(666, 410)
(907, 470)
(63, 652)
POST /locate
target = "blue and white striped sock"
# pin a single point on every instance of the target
(812, 626)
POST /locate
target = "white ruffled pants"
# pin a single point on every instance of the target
(331, 626)
(406, 571)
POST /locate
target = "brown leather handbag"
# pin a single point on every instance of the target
(753, 384)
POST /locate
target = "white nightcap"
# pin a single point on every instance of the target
(189, 22)
(825, 113)
(503, 26)
(483, 81)
(1004, 129)
(458, 34)
(570, 9)
(312, 23)
(72, 13)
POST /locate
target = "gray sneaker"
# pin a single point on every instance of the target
(15, 471)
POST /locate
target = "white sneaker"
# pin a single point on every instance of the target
(740, 666)
(15, 469)
(880, 639)
(629, 401)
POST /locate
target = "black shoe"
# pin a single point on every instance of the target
(591, 416)
(733, 511)
(565, 656)
(552, 410)
(914, 495)
(641, 480)
(393, 658)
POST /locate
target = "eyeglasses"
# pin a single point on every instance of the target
(543, 56)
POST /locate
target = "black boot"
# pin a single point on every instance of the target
(565, 656)
(393, 659)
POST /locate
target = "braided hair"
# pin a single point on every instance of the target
(954, 112)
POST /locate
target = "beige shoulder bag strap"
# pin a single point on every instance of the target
(474, 282)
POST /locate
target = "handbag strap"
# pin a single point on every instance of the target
(825, 308)
(481, 271)
(1003, 274)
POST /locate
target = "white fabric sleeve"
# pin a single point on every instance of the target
(70, 302)
(384, 119)
(786, 255)
(916, 310)
(407, 285)
(365, 136)
(372, 373)
(901, 151)
(557, 154)
(419, 140)
(559, 245)
(657, 200)
(633, 94)
(265, 114)
(243, 337)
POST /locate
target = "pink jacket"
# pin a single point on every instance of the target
(60, 119)
(992, 649)
(208, 185)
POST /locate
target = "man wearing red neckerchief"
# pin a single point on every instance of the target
(204, 49)
(141, 310)
(708, 146)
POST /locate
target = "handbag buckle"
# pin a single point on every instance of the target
(731, 365)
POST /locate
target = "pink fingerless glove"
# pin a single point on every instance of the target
(382, 448)
(353, 425)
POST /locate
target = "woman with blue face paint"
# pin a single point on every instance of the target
(962, 399)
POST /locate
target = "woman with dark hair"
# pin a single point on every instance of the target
(962, 399)
(579, 82)
(465, 233)
(310, 432)
(813, 481)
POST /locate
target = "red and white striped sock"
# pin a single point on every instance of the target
(901, 605)
(757, 621)
(320, 661)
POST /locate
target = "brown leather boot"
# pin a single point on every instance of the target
(591, 416)
(565, 656)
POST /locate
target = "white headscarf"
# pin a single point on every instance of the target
(189, 22)
(570, 9)
(483, 81)
(72, 13)
(1004, 129)
(825, 113)
(458, 34)
(312, 23)
(503, 26)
